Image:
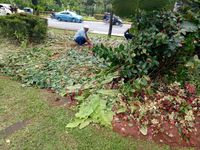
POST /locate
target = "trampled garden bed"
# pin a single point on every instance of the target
(169, 116)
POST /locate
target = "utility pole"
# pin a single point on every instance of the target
(111, 24)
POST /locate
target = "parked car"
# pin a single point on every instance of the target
(4, 10)
(28, 10)
(68, 16)
(116, 19)
(8, 6)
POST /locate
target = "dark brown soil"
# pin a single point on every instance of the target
(55, 100)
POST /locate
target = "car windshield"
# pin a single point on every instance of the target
(72, 13)
(68, 12)
(64, 13)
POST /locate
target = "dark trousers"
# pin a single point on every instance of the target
(128, 36)
(80, 40)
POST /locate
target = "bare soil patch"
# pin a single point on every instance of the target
(56, 100)
(14, 128)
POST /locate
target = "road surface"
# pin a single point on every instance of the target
(95, 27)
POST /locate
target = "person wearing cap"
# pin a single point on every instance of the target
(81, 36)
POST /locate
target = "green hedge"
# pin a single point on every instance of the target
(23, 27)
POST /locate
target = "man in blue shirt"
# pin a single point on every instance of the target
(81, 36)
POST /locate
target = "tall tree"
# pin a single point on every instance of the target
(106, 3)
(89, 6)
(35, 2)
(129, 7)
(58, 2)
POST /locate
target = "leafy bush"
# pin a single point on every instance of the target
(129, 7)
(23, 27)
(163, 41)
(191, 14)
(188, 73)
(193, 71)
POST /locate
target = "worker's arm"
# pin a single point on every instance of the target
(88, 40)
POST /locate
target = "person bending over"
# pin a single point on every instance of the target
(81, 36)
(128, 35)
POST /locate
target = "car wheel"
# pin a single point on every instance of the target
(117, 23)
(59, 19)
(73, 20)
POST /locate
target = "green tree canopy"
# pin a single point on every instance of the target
(128, 7)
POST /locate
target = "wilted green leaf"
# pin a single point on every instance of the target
(144, 130)
(189, 26)
(75, 123)
(108, 92)
(87, 108)
(85, 123)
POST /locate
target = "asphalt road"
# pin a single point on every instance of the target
(95, 27)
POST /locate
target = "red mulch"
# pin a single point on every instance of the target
(167, 134)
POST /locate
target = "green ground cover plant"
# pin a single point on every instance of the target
(38, 67)
(161, 37)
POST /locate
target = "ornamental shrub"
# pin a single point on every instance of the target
(164, 40)
(23, 27)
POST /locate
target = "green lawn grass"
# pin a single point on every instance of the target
(47, 128)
